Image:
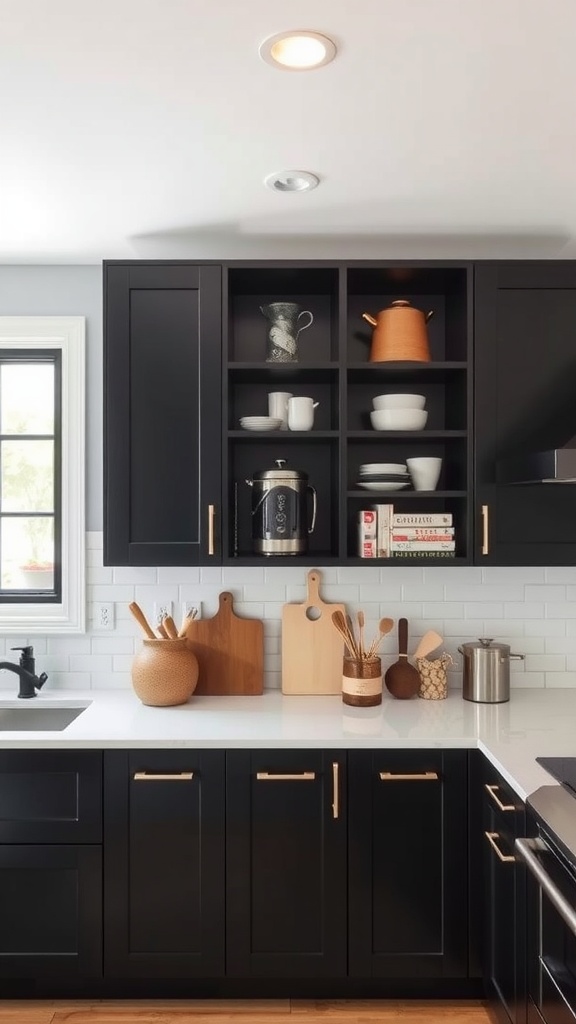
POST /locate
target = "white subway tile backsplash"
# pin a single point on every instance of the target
(531, 608)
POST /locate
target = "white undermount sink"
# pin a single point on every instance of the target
(30, 716)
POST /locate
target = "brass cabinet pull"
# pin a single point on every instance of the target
(485, 529)
(211, 517)
(504, 857)
(501, 807)
(416, 777)
(271, 777)
(335, 790)
(151, 777)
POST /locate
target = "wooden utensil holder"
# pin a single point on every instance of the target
(164, 672)
(362, 682)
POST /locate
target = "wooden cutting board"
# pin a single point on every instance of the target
(230, 652)
(312, 649)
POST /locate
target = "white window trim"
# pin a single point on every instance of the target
(68, 334)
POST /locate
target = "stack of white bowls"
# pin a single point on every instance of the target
(399, 412)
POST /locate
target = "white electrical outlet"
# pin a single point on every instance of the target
(104, 615)
(189, 606)
(161, 610)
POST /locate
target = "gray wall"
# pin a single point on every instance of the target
(68, 291)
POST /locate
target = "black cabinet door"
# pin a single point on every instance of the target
(50, 796)
(51, 916)
(164, 863)
(408, 864)
(525, 381)
(162, 428)
(286, 864)
(504, 901)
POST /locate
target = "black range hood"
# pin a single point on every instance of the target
(554, 466)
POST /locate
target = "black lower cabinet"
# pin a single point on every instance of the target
(504, 820)
(164, 864)
(51, 916)
(408, 864)
(286, 864)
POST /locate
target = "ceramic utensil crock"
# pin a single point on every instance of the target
(164, 672)
(486, 678)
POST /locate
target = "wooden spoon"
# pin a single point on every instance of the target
(402, 679)
(361, 623)
(142, 620)
(429, 642)
(170, 627)
(340, 623)
(384, 627)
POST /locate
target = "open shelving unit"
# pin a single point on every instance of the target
(333, 368)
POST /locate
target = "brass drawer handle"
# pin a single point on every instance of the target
(335, 790)
(211, 518)
(501, 807)
(416, 777)
(271, 777)
(485, 529)
(151, 777)
(504, 857)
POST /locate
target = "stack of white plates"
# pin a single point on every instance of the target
(260, 423)
(383, 476)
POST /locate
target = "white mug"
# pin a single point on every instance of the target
(301, 413)
(278, 406)
(425, 472)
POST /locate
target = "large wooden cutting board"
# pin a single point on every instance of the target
(312, 649)
(230, 652)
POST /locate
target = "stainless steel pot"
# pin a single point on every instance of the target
(486, 678)
(280, 511)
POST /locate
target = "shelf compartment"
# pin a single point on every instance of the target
(246, 398)
(312, 288)
(405, 435)
(445, 403)
(412, 502)
(453, 475)
(318, 458)
(444, 290)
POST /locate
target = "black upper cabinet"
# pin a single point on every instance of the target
(162, 395)
(286, 864)
(525, 380)
(408, 855)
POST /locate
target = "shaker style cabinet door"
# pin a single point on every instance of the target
(162, 426)
(525, 382)
(286, 864)
(164, 863)
(408, 864)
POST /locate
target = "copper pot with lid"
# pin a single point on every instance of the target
(486, 678)
(400, 334)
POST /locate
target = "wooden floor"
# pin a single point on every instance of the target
(276, 1011)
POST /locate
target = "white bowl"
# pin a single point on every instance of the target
(260, 423)
(399, 401)
(399, 419)
(369, 468)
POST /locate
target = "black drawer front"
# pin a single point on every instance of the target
(50, 796)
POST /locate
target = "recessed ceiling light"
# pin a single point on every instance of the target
(298, 51)
(292, 181)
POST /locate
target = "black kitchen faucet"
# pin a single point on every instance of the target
(29, 681)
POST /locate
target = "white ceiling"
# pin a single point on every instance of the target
(146, 128)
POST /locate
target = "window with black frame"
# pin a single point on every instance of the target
(30, 475)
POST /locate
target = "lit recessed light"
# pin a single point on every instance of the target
(298, 51)
(292, 181)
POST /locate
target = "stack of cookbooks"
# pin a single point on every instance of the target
(413, 534)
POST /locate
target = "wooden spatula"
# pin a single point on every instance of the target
(402, 679)
(429, 642)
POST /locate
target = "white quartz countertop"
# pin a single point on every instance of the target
(533, 723)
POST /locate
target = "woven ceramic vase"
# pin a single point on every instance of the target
(164, 672)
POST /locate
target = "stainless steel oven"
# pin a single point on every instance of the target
(550, 860)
